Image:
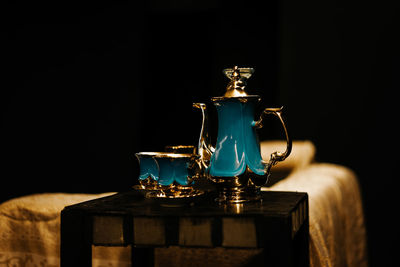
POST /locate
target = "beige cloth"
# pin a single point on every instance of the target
(30, 225)
(30, 229)
(337, 230)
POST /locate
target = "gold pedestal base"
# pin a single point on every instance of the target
(174, 191)
(148, 184)
(239, 189)
(151, 189)
(235, 195)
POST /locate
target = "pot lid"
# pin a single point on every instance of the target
(237, 84)
(238, 77)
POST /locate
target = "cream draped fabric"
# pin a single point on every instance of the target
(30, 228)
(337, 230)
(30, 225)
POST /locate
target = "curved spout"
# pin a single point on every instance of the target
(204, 148)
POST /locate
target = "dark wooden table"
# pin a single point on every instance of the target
(278, 225)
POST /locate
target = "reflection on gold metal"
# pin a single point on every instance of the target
(204, 148)
(236, 208)
(242, 99)
(174, 155)
(238, 77)
(185, 149)
(148, 184)
(236, 87)
(277, 156)
(239, 189)
(175, 191)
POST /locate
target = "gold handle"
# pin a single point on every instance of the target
(276, 156)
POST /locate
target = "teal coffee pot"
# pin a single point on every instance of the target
(235, 164)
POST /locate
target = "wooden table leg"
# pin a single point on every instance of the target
(142, 257)
(76, 247)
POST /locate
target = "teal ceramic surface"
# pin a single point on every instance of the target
(237, 142)
(174, 168)
(148, 166)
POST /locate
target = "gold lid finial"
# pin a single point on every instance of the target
(238, 77)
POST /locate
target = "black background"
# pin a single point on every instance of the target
(85, 85)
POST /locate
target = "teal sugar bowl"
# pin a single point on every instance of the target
(175, 168)
(168, 175)
(148, 173)
(177, 174)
